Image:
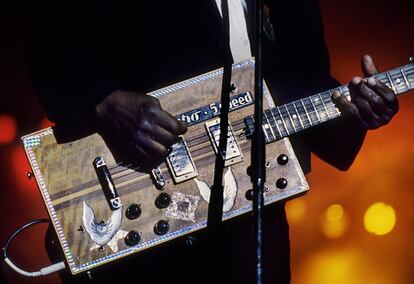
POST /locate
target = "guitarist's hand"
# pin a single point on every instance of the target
(372, 103)
(136, 129)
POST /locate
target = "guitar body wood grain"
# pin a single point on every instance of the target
(67, 179)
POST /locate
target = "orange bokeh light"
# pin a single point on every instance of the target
(8, 128)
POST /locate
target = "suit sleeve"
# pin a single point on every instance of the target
(65, 54)
(336, 142)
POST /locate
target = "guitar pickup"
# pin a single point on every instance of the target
(181, 163)
(233, 153)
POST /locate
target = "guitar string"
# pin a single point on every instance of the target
(323, 105)
(309, 104)
(271, 120)
(190, 147)
(136, 175)
(203, 139)
(273, 123)
(243, 144)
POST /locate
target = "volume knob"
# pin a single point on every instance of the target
(133, 211)
(282, 159)
(161, 228)
(281, 183)
(163, 200)
(132, 239)
(249, 194)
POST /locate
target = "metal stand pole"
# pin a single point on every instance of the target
(258, 153)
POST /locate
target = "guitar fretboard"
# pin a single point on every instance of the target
(293, 117)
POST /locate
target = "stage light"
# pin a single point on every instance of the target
(8, 128)
(333, 222)
(379, 218)
(295, 210)
(331, 266)
(334, 213)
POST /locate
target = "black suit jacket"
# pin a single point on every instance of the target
(80, 53)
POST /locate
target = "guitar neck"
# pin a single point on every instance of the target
(293, 117)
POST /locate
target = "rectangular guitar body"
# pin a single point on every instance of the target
(70, 188)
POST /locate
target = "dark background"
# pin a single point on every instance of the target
(332, 252)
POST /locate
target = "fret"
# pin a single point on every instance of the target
(297, 124)
(405, 79)
(286, 119)
(302, 114)
(320, 111)
(290, 118)
(275, 120)
(264, 128)
(409, 73)
(391, 82)
(280, 122)
(331, 103)
(316, 110)
(311, 110)
(299, 115)
(267, 126)
(324, 106)
(306, 111)
(383, 78)
(345, 91)
(332, 109)
(399, 81)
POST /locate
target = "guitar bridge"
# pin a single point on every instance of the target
(180, 162)
(233, 153)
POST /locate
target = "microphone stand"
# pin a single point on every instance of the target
(258, 178)
(258, 152)
(215, 210)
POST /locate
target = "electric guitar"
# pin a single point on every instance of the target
(103, 210)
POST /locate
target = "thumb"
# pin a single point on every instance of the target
(368, 66)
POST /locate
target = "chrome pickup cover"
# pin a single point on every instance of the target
(180, 162)
(233, 152)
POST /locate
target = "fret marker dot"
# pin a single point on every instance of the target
(398, 81)
(279, 121)
(266, 126)
(294, 116)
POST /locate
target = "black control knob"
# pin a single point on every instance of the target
(282, 159)
(163, 200)
(281, 183)
(249, 171)
(249, 194)
(132, 239)
(133, 211)
(161, 228)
